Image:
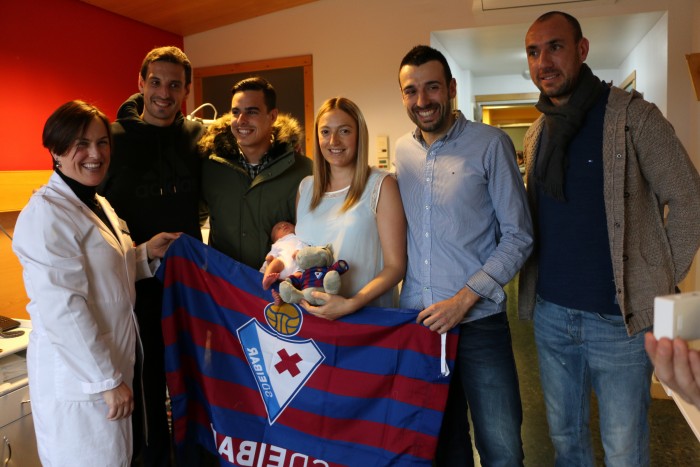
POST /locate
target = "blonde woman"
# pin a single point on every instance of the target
(355, 208)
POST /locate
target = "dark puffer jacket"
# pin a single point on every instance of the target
(242, 211)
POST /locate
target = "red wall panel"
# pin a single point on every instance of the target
(53, 51)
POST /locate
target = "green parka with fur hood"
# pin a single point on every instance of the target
(242, 211)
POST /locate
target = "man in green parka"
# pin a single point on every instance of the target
(251, 173)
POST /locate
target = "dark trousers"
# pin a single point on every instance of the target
(485, 386)
(157, 451)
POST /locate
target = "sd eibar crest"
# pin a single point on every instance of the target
(280, 364)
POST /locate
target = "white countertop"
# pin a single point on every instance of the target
(12, 345)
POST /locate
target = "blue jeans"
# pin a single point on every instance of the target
(580, 350)
(485, 382)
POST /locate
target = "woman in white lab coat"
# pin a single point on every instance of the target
(79, 268)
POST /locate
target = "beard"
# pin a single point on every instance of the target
(566, 88)
(444, 112)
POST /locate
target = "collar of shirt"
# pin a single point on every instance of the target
(456, 128)
(254, 169)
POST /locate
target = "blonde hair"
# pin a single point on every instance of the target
(322, 168)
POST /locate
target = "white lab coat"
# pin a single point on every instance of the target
(80, 279)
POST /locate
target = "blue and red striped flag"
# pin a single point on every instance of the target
(261, 385)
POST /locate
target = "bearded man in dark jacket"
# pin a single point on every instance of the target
(153, 183)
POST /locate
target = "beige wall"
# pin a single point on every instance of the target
(357, 47)
(694, 112)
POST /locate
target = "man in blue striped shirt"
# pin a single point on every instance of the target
(469, 232)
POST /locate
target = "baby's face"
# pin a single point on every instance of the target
(281, 229)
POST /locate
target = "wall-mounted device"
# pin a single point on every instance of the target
(383, 159)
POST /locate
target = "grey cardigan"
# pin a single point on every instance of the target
(647, 175)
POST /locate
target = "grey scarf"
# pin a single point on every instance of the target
(562, 124)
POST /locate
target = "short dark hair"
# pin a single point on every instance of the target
(575, 25)
(68, 123)
(257, 83)
(421, 54)
(168, 54)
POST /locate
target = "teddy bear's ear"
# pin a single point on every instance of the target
(329, 247)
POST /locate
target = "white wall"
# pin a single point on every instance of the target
(693, 108)
(356, 52)
(357, 46)
(462, 77)
(465, 92)
(517, 84)
(685, 39)
(650, 61)
(503, 84)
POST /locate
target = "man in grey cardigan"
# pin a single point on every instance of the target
(603, 166)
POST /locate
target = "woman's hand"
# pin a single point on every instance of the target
(391, 225)
(158, 245)
(120, 401)
(335, 307)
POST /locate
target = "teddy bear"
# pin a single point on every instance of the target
(319, 273)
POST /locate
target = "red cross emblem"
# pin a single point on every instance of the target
(288, 363)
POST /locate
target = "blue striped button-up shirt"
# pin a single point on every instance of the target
(468, 220)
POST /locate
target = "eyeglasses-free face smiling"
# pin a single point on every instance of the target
(252, 123)
(163, 91)
(337, 138)
(87, 159)
(426, 97)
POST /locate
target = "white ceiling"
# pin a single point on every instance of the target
(500, 50)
